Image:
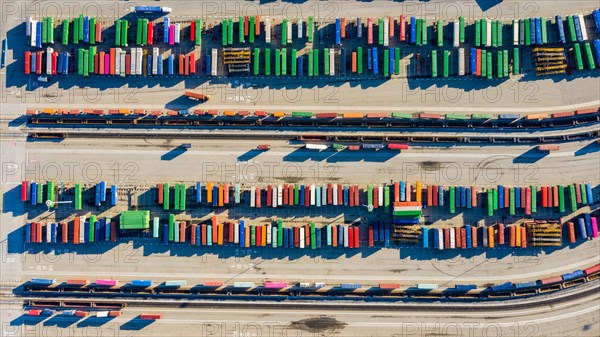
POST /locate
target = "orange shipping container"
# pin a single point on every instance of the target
(571, 232)
(279, 114)
(247, 236)
(354, 62)
(490, 233)
(226, 194)
(343, 28)
(220, 234)
(181, 62)
(511, 231)
(523, 237)
(220, 196)
(101, 67)
(182, 231)
(209, 190)
(334, 235)
(203, 227)
(76, 230)
(112, 61)
(352, 115)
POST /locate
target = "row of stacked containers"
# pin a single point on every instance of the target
(212, 233)
(413, 30)
(526, 198)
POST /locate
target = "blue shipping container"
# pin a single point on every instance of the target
(561, 29)
(375, 62)
(358, 28)
(338, 38)
(425, 237)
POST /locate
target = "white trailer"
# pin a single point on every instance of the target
(488, 31)
(133, 61)
(253, 196)
(49, 52)
(123, 63)
(138, 62)
(456, 30)
(515, 32)
(332, 62)
(299, 28)
(269, 231)
(289, 31)
(33, 33)
(177, 33)
(154, 61)
(461, 64)
(301, 239)
(82, 229)
(441, 240)
(380, 196)
(236, 233)
(280, 195)
(267, 30)
(117, 61)
(583, 29)
(335, 195)
(213, 61)
(452, 238)
(274, 196)
(345, 236)
(386, 32)
(313, 197)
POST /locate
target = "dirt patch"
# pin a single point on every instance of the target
(318, 324)
(398, 271)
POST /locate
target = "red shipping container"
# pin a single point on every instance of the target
(55, 62)
(150, 33)
(354, 69)
(38, 63)
(550, 197)
(98, 31)
(269, 195)
(555, 195)
(356, 195)
(76, 230)
(478, 60)
(33, 232)
(350, 237)
(340, 194)
(101, 63)
(296, 236)
(334, 236)
(463, 238)
(523, 197)
(369, 31)
(446, 238)
(127, 64)
(215, 230)
(291, 195)
(246, 25)
(506, 197)
(307, 235)
(231, 227)
(391, 27)
(375, 197)
(474, 237)
(285, 194)
(528, 204)
(473, 196)
(356, 237)
(571, 227)
(193, 31)
(258, 233)
(329, 194)
(186, 65)
(193, 234)
(181, 62)
(258, 194)
(458, 238)
(40, 232)
(306, 196)
(182, 231)
(257, 25)
(544, 196)
(24, 190)
(226, 194)
(113, 231)
(370, 236)
(150, 316)
(64, 228)
(192, 58)
(203, 228)
(434, 191)
(160, 193)
(351, 195)
(27, 62)
(578, 193)
(396, 191)
(402, 28)
(343, 28)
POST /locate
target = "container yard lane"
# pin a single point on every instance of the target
(300, 168)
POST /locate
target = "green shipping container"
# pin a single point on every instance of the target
(561, 198)
(230, 31)
(370, 197)
(302, 114)
(310, 29)
(91, 228)
(277, 62)
(284, 61)
(578, 58)
(117, 32)
(284, 32)
(380, 29)
(499, 64)
(76, 30)
(252, 235)
(477, 33)
(296, 194)
(494, 34)
(134, 220)
(224, 26)
(512, 201)
(527, 32)
(65, 32)
(386, 199)
(182, 197)
(572, 198)
(241, 38)
(571, 25)
(452, 202)
(505, 60)
(359, 60)
(44, 30)
(144, 31)
(495, 194)
(171, 227)
(461, 23)
(92, 52)
(50, 191)
(79, 61)
(590, 57)
(92, 30)
(251, 32)
(80, 31)
(267, 61)
(397, 61)
(386, 63)
(446, 69)
(499, 33)
(50, 30)
(315, 62)
(483, 63)
(279, 232)
(490, 202)
(403, 115)
(544, 30)
(424, 31)
(198, 32)
(516, 61)
(139, 33)
(419, 36)
(489, 65)
(166, 195)
(313, 236)
(256, 60)
(40, 193)
(484, 31)
(86, 62)
(310, 63)
(440, 33)
(433, 63)
(124, 32)
(294, 62)
(583, 194)
(326, 61)
(533, 199)
(176, 195)
(78, 203)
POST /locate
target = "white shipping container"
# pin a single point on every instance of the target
(33, 33)
(345, 236)
(452, 238)
(461, 64)
(582, 25)
(299, 28)
(289, 31)
(335, 195)
(319, 147)
(456, 29)
(267, 30)
(274, 237)
(269, 233)
(49, 52)
(380, 199)
(236, 233)
(515, 32)
(253, 196)
(177, 32)
(441, 240)
(332, 62)
(488, 31)
(280, 195)
(312, 195)
(82, 229)
(301, 237)
(386, 32)
(324, 195)
(138, 62)
(28, 26)
(117, 61)
(154, 61)
(48, 232)
(274, 196)
(132, 65)
(213, 61)
(123, 63)
(102, 314)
